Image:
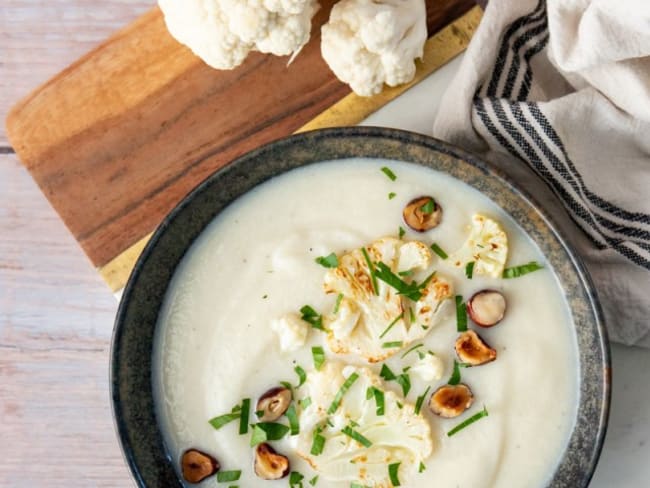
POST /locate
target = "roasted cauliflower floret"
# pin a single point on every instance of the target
(369, 318)
(292, 331)
(486, 246)
(428, 367)
(398, 435)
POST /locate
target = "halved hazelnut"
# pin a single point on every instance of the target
(274, 403)
(473, 350)
(486, 307)
(269, 465)
(422, 214)
(197, 465)
(451, 400)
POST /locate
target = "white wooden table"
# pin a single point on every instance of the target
(56, 314)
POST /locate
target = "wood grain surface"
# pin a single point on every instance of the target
(118, 138)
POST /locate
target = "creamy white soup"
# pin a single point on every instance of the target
(255, 265)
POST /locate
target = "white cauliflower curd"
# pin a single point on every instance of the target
(223, 32)
(292, 332)
(367, 43)
(486, 246)
(376, 323)
(360, 436)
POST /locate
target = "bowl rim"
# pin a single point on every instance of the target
(400, 136)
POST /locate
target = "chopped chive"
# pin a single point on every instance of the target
(461, 314)
(392, 472)
(243, 419)
(286, 384)
(455, 376)
(305, 402)
(401, 232)
(385, 274)
(390, 345)
(268, 431)
(295, 479)
(412, 314)
(389, 173)
(420, 400)
(390, 326)
(338, 303)
(318, 354)
(294, 425)
(392, 195)
(302, 376)
(521, 270)
(310, 316)
(428, 207)
(408, 272)
(412, 349)
(469, 421)
(379, 399)
(313, 481)
(422, 467)
(404, 381)
(469, 269)
(371, 270)
(342, 391)
(225, 476)
(400, 405)
(386, 373)
(259, 413)
(318, 443)
(221, 420)
(353, 434)
(329, 261)
(438, 250)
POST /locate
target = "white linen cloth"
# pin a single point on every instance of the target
(562, 88)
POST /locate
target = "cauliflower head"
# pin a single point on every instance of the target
(399, 435)
(367, 43)
(223, 32)
(366, 321)
(486, 246)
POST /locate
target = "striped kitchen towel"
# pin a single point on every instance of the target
(561, 88)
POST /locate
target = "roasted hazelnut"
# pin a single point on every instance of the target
(197, 465)
(274, 403)
(486, 307)
(269, 465)
(422, 214)
(473, 350)
(451, 400)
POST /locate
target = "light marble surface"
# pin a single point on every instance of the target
(56, 315)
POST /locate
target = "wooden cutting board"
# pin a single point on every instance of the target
(119, 137)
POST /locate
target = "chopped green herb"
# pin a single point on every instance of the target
(267, 431)
(404, 381)
(389, 173)
(420, 400)
(422, 467)
(469, 421)
(313, 481)
(469, 269)
(225, 476)
(222, 420)
(305, 402)
(371, 270)
(342, 391)
(392, 472)
(412, 349)
(392, 195)
(338, 303)
(412, 314)
(310, 316)
(318, 354)
(386, 373)
(461, 314)
(356, 436)
(318, 442)
(379, 399)
(259, 413)
(390, 326)
(400, 405)
(302, 376)
(292, 415)
(438, 250)
(518, 271)
(243, 419)
(295, 479)
(455, 376)
(408, 272)
(286, 384)
(401, 232)
(428, 207)
(329, 261)
(410, 290)
(265, 297)
(390, 345)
